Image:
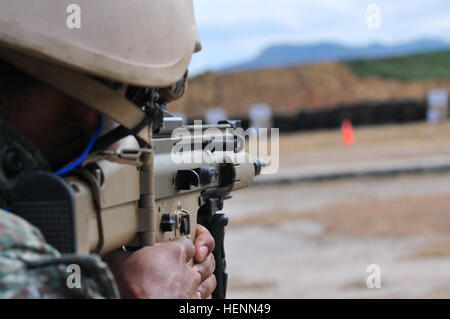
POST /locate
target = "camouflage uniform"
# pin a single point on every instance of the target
(29, 267)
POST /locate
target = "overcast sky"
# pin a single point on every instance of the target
(235, 30)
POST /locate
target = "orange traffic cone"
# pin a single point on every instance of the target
(347, 132)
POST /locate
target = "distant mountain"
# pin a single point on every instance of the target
(284, 55)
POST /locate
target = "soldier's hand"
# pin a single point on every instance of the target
(161, 271)
(204, 261)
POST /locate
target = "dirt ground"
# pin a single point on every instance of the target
(297, 242)
(316, 239)
(372, 143)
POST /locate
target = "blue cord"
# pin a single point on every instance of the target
(88, 148)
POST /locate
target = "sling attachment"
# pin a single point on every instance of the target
(94, 184)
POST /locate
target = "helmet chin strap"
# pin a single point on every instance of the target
(83, 88)
(108, 125)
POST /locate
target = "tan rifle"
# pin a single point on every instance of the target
(136, 195)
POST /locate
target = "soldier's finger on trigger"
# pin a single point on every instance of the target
(203, 240)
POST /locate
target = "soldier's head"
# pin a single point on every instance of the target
(58, 124)
(62, 66)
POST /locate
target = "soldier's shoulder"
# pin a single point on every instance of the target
(15, 232)
(31, 268)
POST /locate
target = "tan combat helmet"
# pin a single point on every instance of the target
(146, 43)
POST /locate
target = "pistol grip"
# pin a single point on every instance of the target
(216, 226)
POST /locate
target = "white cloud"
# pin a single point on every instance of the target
(236, 30)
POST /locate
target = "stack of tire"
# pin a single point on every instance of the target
(368, 113)
(364, 113)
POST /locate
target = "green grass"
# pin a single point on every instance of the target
(425, 66)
